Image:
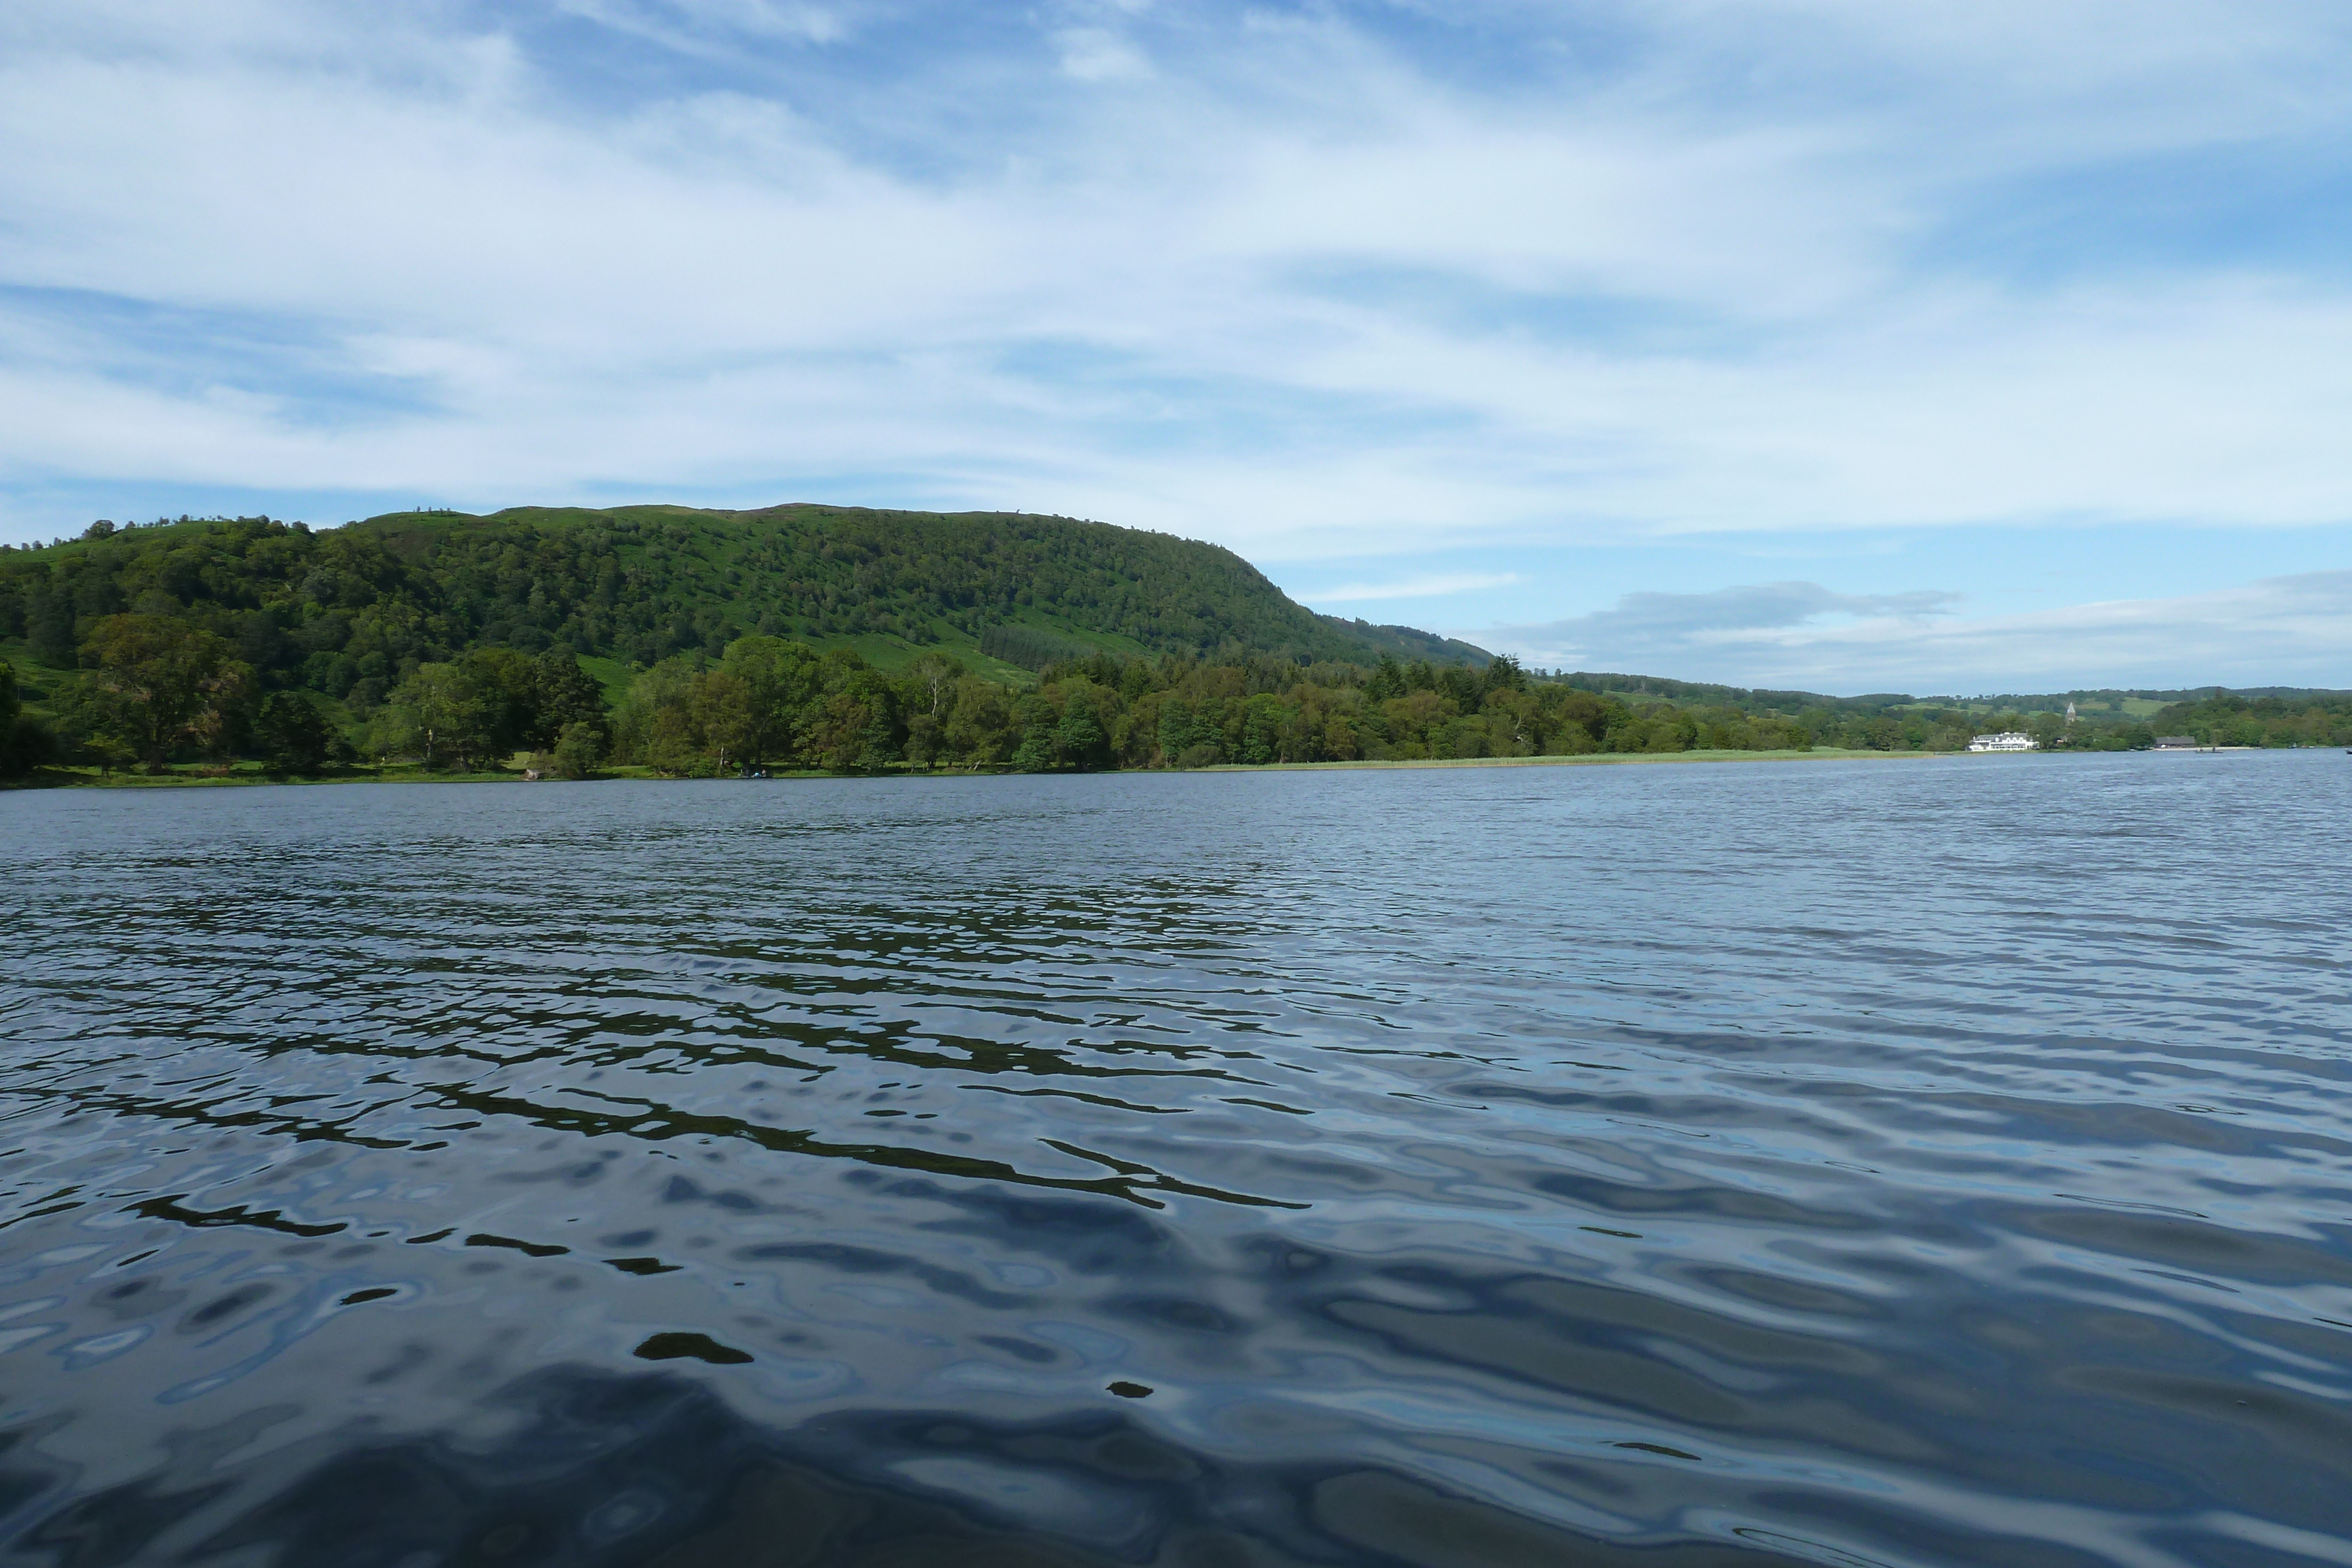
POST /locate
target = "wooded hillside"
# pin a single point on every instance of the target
(346, 611)
(686, 642)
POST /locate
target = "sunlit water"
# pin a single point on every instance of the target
(1916, 1162)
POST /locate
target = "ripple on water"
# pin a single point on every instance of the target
(1748, 1165)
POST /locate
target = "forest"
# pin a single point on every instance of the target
(151, 690)
(817, 639)
(344, 611)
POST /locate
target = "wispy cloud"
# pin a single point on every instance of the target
(689, 25)
(1675, 620)
(1434, 585)
(1327, 284)
(2295, 630)
(1098, 54)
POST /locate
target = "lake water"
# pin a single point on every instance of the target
(1917, 1162)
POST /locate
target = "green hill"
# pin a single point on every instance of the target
(684, 642)
(1406, 643)
(2105, 717)
(343, 611)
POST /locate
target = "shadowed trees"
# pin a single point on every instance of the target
(163, 684)
(25, 743)
(771, 703)
(488, 705)
(293, 734)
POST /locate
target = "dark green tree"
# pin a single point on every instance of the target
(49, 626)
(162, 684)
(854, 724)
(24, 745)
(1035, 719)
(980, 730)
(507, 685)
(1180, 727)
(293, 734)
(565, 695)
(1262, 723)
(579, 749)
(783, 684)
(1079, 739)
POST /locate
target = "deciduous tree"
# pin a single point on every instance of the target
(293, 733)
(164, 683)
(441, 716)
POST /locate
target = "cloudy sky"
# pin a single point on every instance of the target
(1949, 345)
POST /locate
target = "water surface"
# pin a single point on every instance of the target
(1926, 1162)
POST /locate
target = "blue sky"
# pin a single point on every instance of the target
(1937, 347)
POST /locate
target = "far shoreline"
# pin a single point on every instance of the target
(1579, 759)
(249, 776)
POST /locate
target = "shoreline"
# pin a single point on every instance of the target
(252, 777)
(249, 775)
(1579, 759)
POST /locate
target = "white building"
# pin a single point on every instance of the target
(2007, 740)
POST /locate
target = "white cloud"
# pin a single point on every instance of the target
(692, 24)
(2278, 631)
(1098, 54)
(1289, 286)
(1434, 585)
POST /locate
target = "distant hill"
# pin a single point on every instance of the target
(2133, 702)
(2118, 697)
(1407, 644)
(1665, 688)
(352, 605)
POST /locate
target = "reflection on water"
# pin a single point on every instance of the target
(1918, 1162)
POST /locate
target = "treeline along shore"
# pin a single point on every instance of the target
(696, 645)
